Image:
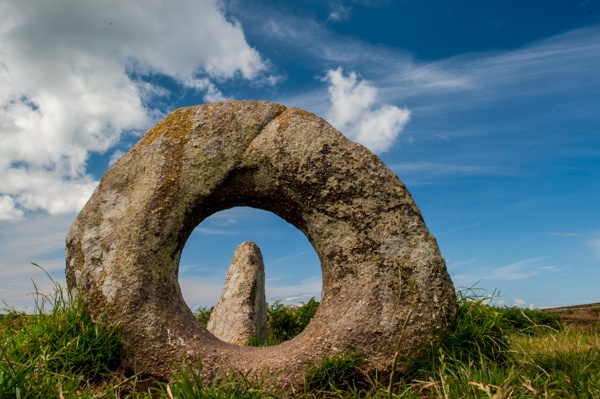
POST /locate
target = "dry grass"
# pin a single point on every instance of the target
(571, 339)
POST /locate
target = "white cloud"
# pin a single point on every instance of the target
(521, 303)
(355, 111)
(594, 244)
(115, 157)
(518, 302)
(8, 210)
(212, 93)
(69, 84)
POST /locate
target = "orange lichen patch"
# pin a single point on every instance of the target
(175, 126)
(283, 121)
(173, 133)
(286, 119)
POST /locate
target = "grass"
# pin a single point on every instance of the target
(334, 372)
(489, 352)
(56, 351)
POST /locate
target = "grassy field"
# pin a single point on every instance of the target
(490, 352)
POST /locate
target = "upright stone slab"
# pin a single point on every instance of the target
(383, 274)
(240, 316)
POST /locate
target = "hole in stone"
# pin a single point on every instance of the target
(292, 268)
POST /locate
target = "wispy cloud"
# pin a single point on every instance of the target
(594, 244)
(304, 290)
(554, 67)
(286, 259)
(520, 270)
(569, 234)
(338, 12)
(459, 263)
(39, 239)
(427, 172)
(470, 226)
(591, 240)
(215, 232)
(444, 169)
(514, 271)
(224, 222)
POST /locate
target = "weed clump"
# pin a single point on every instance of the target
(203, 315)
(286, 322)
(56, 350)
(529, 321)
(334, 372)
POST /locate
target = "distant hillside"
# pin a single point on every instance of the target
(579, 314)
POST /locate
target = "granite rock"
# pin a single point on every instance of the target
(381, 267)
(240, 315)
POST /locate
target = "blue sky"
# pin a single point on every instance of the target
(488, 111)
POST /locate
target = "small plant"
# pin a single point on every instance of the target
(203, 315)
(338, 372)
(478, 332)
(286, 322)
(528, 321)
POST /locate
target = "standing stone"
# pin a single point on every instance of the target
(386, 290)
(240, 316)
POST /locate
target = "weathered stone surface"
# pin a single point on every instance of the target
(380, 264)
(240, 315)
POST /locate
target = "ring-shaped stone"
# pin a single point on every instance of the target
(381, 268)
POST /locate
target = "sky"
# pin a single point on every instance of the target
(489, 112)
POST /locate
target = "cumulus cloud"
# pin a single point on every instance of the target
(71, 83)
(212, 94)
(518, 302)
(356, 112)
(8, 211)
(521, 303)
